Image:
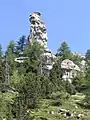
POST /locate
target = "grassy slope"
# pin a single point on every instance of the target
(45, 106)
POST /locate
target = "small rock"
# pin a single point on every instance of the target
(67, 114)
(51, 112)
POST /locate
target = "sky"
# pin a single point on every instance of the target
(66, 20)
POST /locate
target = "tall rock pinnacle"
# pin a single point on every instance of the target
(37, 29)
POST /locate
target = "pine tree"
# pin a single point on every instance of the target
(88, 54)
(33, 52)
(56, 77)
(2, 69)
(21, 43)
(10, 56)
(64, 51)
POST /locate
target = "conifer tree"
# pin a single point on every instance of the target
(64, 51)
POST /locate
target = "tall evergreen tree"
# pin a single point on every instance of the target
(55, 76)
(86, 89)
(2, 69)
(88, 54)
(10, 55)
(20, 45)
(64, 51)
(33, 52)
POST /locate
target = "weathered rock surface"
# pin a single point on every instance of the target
(69, 65)
(38, 32)
(38, 29)
(69, 69)
(48, 60)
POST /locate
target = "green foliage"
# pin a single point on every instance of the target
(45, 86)
(20, 45)
(70, 88)
(33, 51)
(10, 55)
(79, 82)
(2, 69)
(15, 79)
(6, 101)
(88, 54)
(87, 87)
(55, 77)
(0, 52)
(64, 51)
(76, 59)
(27, 86)
(59, 95)
(11, 47)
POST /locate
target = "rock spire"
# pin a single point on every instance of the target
(38, 29)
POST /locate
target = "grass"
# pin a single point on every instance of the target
(44, 106)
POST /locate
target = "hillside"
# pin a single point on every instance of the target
(36, 84)
(49, 109)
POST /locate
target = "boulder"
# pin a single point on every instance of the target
(69, 70)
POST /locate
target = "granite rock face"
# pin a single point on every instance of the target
(38, 32)
(69, 70)
(38, 29)
(48, 60)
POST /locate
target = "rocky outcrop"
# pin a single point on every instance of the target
(38, 32)
(69, 70)
(37, 29)
(48, 60)
(68, 64)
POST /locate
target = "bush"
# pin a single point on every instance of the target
(59, 95)
(70, 88)
(55, 95)
(56, 103)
